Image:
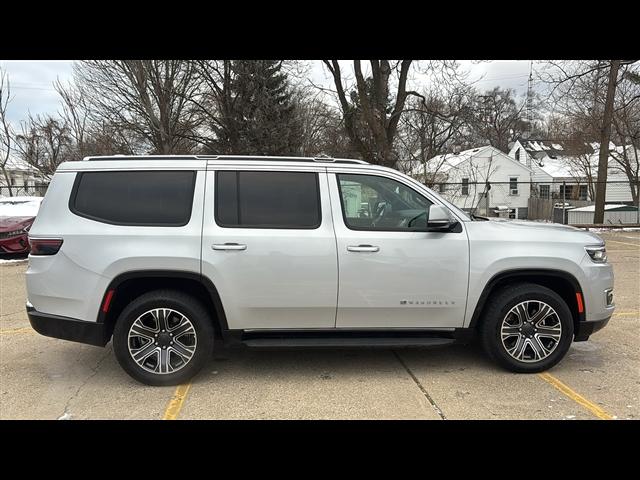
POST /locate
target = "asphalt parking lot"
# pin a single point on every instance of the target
(45, 378)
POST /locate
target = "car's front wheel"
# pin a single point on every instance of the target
(163, 337)
(526, 328)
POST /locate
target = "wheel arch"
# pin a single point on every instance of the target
(129, 285)
(561, 282)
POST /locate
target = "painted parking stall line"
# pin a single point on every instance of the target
(175, 404)
(16, 331)
(576, 397)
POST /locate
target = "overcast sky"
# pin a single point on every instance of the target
(32, 81)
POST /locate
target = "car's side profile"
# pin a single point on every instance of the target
(169, 255)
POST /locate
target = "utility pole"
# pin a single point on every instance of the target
(605, 138)
(529, 103)
(485, 112)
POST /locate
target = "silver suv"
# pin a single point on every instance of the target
(169, 254)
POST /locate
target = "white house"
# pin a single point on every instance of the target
(555, 162)
(23, 178)
(485, 180)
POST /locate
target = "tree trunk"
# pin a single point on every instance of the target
(6, 177)
(605, 138)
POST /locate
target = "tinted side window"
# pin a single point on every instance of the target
(370, 202)
(267, 199)
(140, 198)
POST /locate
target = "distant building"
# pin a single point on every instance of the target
(484, 180)
(24, 179)
(576, 163)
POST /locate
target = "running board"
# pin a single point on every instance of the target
(347, 342)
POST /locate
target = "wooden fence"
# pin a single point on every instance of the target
(542, 208)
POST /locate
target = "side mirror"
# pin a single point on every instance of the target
(439, 219)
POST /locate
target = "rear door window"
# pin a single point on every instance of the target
(246, 199)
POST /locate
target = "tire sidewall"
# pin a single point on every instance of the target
(492, 333)
(192, 310)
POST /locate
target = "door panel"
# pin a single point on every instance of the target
(271, 278)
(394, 278)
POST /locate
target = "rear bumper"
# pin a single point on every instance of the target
(18, 244)
(92, 333)
(585, 329)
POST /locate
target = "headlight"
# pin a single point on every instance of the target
(597, 253)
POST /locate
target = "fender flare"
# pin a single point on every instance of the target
(525, 272)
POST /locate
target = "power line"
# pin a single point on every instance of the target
(32, 88)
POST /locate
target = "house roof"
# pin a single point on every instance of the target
(17, 164)
(553, 148)
(557, 159)
(612, 207)
(453, 160)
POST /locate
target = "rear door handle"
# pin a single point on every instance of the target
(363, 248)
(229, 246)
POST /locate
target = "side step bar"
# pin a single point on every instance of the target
(347, 342)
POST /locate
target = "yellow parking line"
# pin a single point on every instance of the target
(13, 331)
(579, 399)
(624, 243)
(626, 314)
(175, 404)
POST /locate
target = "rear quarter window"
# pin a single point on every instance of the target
(137, 198)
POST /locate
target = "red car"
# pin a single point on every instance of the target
(16, 217)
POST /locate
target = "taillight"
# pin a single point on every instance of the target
(45, 246)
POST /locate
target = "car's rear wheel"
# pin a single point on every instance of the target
(163, 337)
(526, 328)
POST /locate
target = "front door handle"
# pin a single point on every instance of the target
(229, 246)
(363, 248)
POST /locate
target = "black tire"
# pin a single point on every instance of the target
(497, 309)
(186, 305)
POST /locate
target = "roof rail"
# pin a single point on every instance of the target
(319, 159)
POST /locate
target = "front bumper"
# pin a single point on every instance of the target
(18, 244)
(56, 326)
(585, 329)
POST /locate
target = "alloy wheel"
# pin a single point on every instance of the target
(531, 331)
(162, 340)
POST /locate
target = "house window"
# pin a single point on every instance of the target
(465, 186)
(584, 192)
(544, 191)
(566, 191)
(518, 154)
(513, 185)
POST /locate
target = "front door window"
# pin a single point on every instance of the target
(370, 202)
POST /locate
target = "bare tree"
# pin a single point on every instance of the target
(431, 126)
(590, 87)
(321, 125)
(5, 127)
(45, 142)
(151, 98)
(370, 114)
(215, 104)
(75, 114)
(499, 118)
